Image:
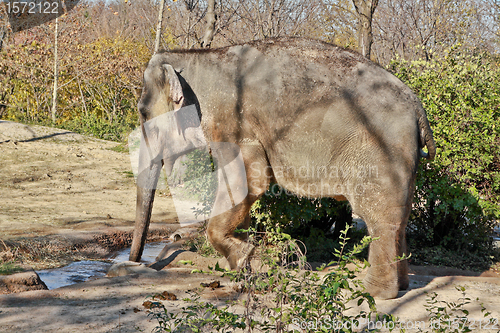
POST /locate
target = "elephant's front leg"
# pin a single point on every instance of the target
(221, 227)
(222, 236)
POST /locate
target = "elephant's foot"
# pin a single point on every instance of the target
(381, 290)
(382, 281)
(239, 256)
(385, 281)
(403, 279)
(404, 282)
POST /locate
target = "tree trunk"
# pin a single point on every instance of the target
(4, 23)
(210, 28)
(365, 10)
(158, 27)
(2, 35)
(83, 97)
(56, 74)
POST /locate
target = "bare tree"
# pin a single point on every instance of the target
(492, 14)
(258, 19)
(2, 35)
(56, 72)
(339, 22)
(421, 29)
(210, 28)
(3, 25)
(365, 10)
(158, 27)
(192, 22)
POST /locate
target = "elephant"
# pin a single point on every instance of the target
(315, 118)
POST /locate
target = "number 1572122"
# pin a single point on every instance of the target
(32, 7)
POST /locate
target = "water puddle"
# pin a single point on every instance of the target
(151, 251)
(82, 271)
(75, 272)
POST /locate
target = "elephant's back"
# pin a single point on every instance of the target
(323, 93)
(272, 90)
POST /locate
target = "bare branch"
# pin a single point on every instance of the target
(211, 21)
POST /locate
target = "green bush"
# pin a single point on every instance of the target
(288, 297)
(457, 197)
(439, 256)
(200, 180)
(101, 128)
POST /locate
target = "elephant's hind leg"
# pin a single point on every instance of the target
(388, 272)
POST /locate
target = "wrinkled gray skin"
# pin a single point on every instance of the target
(316, 119)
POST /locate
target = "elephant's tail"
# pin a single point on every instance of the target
(426, 137)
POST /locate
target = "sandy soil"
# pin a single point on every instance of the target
(55, 183)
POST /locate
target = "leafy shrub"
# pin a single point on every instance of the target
(200, 180)
(440, 256)
(457, 197)
(96, 85)
(309, 220)
(101, 128)
(450, 316)
(289, 297)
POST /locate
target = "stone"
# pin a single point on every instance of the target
(20, 282)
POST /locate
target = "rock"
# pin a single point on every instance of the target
(178, 239)
(127, 268)
(20, 282)
(15, 131)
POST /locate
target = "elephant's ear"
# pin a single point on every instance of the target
(176, 93)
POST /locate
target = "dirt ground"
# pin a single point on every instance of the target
(68, 187)
(54, 181)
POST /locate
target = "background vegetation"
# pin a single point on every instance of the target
(446, 50)
(457, 196)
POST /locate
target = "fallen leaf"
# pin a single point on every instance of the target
(166, 296)
(213, 284)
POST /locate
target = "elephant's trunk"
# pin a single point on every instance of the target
(146, 185)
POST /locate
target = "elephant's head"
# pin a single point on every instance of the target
(170, 122)
(170, 115)
(162, 91)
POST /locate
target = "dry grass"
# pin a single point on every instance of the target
(56, 251)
